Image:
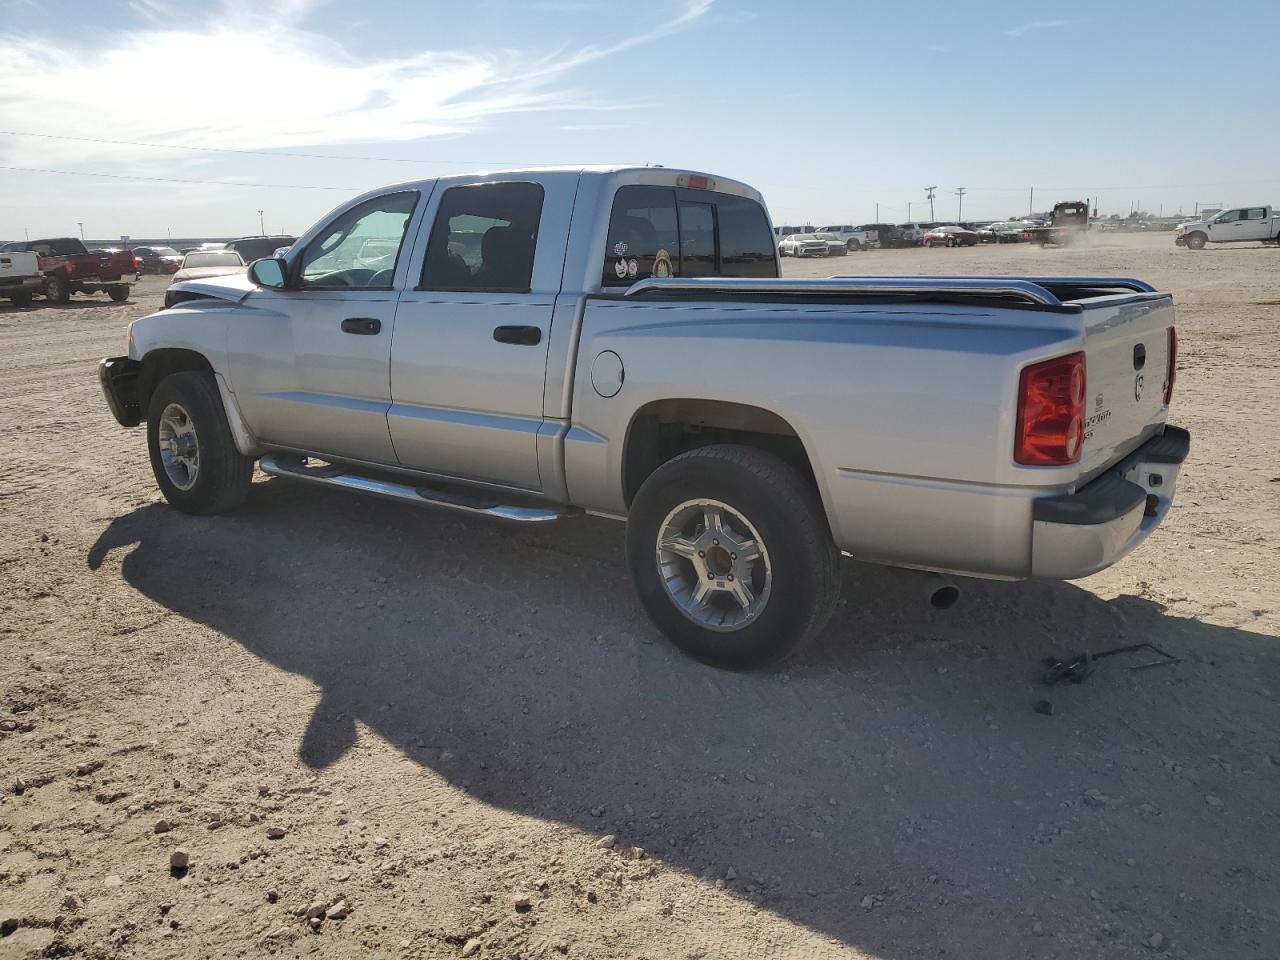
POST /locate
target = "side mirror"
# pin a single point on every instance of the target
(270, 272)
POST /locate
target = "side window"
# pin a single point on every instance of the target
(652, 234)
(1231, 216)
(1257, 213)
(643, 235)
(484, 238)
(358, 250)
(746, 249)
(697, 239)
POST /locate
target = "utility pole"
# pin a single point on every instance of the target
(262, 230)
(81, 223)
(928, 192)
(908, 211)
(1031, 202)
(877, 213)
(960, 192)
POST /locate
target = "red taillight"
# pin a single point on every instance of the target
(1051, 412)
(1171, 370)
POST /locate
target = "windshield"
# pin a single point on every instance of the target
(214, 258)
(164, 251)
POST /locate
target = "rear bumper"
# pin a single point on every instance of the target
(119, 379)
(1078, 534)
(11, 285)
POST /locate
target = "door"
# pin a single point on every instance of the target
(1226, 226)
(470, 354)
(310, 364)
(1254, 224)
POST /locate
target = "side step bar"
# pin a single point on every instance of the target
(475, 503)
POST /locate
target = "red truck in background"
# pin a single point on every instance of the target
(70, 268)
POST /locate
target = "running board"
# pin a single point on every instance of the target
(473, 502)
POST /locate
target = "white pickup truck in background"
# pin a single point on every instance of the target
(1235, 225)
(532, 345)
(20, 277)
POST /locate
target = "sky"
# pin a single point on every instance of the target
(154, 117)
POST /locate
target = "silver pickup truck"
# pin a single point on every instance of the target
(535, 344)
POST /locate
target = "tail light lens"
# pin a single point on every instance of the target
(136, 266)
(1051, 412)
(1171, 373)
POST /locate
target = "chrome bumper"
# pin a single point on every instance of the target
(1078, 534)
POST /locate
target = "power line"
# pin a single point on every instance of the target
(252, 153)
(215, 183)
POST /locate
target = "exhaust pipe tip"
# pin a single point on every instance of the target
(944, 597)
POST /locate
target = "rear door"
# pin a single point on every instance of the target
(472, 332)
(1254, 224)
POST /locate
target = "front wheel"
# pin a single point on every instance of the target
(732, 556)
(1196, 241)
(193, 455)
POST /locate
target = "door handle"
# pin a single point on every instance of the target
(362, 326)
(520, 336)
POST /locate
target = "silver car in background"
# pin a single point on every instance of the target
(804, 245)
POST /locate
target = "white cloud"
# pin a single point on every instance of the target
(1034, 25)
(306, 89)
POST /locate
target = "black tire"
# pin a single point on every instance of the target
(222, 477)
(118, 294)
(1196, 241)
(21, 299)
(57, 289)
(854, 246)
(792, 525)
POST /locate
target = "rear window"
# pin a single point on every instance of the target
(661, 232)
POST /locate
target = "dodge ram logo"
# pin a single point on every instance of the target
(1137, 387)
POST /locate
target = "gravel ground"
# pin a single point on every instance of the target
(442, 737)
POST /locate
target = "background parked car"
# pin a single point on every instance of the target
(255, 248)
(835, 246)
(854, 238)
(158, 259)
(1004, 231)
(886, 235)
(804, 245)
(209, 263)
(950, 236)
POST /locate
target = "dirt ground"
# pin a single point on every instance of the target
(436, 720)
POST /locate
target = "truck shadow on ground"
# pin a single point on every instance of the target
(898, 758)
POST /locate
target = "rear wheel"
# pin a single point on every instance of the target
(57, 289)
(193, 456)
(119, 294)
(1196, 241)
(854, 246)
(732, 557)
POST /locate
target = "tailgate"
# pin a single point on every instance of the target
(19, 265)
(1127, 354)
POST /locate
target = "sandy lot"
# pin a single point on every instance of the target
(444, 717)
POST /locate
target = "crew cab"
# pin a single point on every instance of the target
(855, 238)
(619, 341)
(1236, 225)
(20, 277)
(70, 268)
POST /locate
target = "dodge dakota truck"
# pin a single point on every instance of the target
(20, 277)
(537, 344)
(70, 268)
(1237, 225)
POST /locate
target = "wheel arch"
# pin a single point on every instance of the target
(663, 429)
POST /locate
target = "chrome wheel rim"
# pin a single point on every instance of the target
(714, 565)
(179, 446)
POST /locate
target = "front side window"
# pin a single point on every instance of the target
(660, 232)
(484, 238)
(1230, 216)
(340, 257)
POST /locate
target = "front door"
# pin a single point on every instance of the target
(310, 365)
